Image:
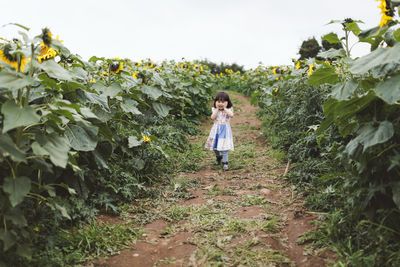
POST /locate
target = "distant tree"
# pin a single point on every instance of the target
(221, 67)
(309, 48)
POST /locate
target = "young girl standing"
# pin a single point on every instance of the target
(220, 139)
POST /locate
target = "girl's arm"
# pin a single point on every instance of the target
(214, 114)
(229, 111)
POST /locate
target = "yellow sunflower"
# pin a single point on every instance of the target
(116, 67)
(311, 69)
(46, 52)
(387, 13)
(46, 36)
(146, 139)
(12, 60)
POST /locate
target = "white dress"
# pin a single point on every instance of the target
(220, 137)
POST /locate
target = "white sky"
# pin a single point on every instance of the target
(229, 31)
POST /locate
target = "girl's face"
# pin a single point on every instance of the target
(221, 104)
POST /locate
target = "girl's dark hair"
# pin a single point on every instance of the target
(223, 97)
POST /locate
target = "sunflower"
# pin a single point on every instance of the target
(116, 67)
(8, 58)
(46, 52)
(387, 13)
(298, 65)
(146, 139)
(46, 36)
(311, 69)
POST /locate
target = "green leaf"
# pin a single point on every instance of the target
(82, 137)
(138, 164)
(8, 239)
(54, 70)
(342, 113)
(19, 25)
(8, 148)
(370, 135)
(331, 38)
(323, 75)
(376, 58)
(16, 216)
(375, 31)
(134, 142)
(161, 109)
(332, 53)
(112, 91)
(396, 35)
(344, 91)
(151, 91)
(87, 97)
(56, 147)
(130, 105)
(15, 116)
(24, 250)
(16, 188)
(13, 80)
(396, 194)
(157, 78)
(389, 90)
(353, 27)
(63, 211)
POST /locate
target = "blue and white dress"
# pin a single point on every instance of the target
(220, 137)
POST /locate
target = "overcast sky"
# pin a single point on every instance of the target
(245, 32)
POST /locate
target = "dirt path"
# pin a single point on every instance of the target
(242, 217)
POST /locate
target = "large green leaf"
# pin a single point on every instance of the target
(331, 38)
(8, 148)
(16, 116)
(370, 135)
(82, 137)
(16, 188)
(332, 53)
(323, 75)
(8, 238)
(55, 146)
(13, 81)
(16, 216)
(112, 91)
(376, 58)
(389, 90)
(344, 91)
(157, 78)
(151, 91)
(134, 142)
(54, 70)
(353, 27)
(342, 113)
(87, 97)
(161, 109)
(130, 105)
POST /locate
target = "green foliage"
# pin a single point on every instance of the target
(78, 137)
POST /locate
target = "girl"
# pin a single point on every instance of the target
(220, 139)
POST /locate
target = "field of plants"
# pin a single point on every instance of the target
(80, 138)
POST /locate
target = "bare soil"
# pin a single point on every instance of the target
(265, 211)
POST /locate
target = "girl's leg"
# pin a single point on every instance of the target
(224, 156)
(219, 157)
(225, 160)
